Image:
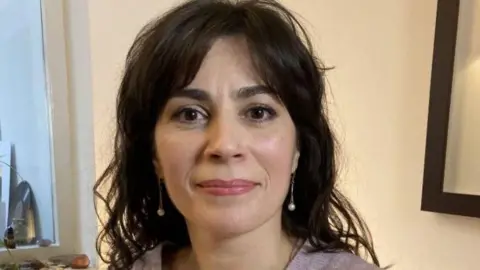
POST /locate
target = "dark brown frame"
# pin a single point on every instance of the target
(434, 198)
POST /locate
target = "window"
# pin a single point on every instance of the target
(37, 183)
(25, 137)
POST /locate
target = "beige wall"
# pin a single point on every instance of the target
(382, 51)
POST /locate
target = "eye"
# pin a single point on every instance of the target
(190, 115)
(260, 113)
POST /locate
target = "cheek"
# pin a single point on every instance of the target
(275, 154)
(176, 158)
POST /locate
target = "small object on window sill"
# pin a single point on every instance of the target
(80, 262)
(75, 261)
(9, 238)
(44, 242)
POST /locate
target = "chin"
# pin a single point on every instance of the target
(226, 228)
(228, 223)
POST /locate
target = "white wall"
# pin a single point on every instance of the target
(24, 111)
(382, 51)
(78, 47)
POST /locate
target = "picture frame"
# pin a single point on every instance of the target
(434, 196)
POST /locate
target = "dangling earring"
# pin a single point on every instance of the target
(291, 204)
(161, 210)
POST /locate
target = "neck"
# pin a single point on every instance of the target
(266, 247)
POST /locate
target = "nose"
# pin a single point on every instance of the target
(224, 141)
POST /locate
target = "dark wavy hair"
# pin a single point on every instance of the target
(166, 56)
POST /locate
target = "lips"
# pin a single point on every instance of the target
(219, 187)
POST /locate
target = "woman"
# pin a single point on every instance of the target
(224, 158)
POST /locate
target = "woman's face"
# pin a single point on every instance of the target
(226, 147)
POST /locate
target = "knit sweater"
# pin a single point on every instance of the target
(152, 260)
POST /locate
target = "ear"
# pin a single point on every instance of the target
(158, 168)
(296, 156)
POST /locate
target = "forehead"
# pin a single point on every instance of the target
(228, 64)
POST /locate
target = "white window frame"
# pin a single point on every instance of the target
(70, 191)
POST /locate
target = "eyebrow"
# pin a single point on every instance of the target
(242, 93)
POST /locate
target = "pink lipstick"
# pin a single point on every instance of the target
(226, 187)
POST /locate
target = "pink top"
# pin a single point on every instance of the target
(152, 260)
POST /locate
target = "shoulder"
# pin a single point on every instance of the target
(348, 261)
(152, 259)
(329, 261)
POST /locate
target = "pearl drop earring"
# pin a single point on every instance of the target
(161, 210)
(291, 204)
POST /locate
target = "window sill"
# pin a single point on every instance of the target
(27, 247)
(23, 253)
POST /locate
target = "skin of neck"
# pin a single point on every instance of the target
(266, 247)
